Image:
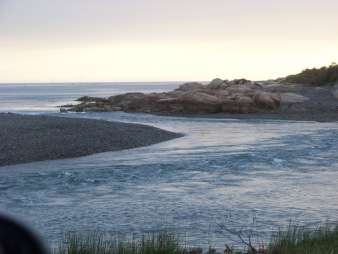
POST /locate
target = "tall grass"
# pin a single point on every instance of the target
(320, 240)
(94, 242)
(294, 240)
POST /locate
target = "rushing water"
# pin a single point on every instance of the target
(272, 170)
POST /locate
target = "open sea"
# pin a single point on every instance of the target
(229, 172)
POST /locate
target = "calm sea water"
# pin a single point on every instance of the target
(221, 171)
(41, 98)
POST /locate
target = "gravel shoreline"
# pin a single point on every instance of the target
(28, 138)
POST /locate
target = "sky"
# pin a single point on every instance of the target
(164, 40)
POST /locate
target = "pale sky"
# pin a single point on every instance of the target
(164, 40)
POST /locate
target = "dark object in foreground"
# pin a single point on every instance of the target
(15, 238)
(27, 138)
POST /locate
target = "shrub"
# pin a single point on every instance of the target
(315, 77)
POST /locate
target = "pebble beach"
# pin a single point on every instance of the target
(29, 138)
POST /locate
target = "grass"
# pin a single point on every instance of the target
(90, 242)
(295, 240)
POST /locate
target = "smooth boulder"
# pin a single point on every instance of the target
(239, 104)
(267, 100)
(190, 86)
(217, 83)
(198, 102)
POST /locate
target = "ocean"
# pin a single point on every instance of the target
(223, 172)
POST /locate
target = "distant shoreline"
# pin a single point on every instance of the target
(29, 138)
(224, 99)
(320, 116)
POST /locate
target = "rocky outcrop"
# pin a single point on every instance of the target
(235, 96)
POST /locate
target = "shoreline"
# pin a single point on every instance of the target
(251, 101)
(320, 116)
(30, 138)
